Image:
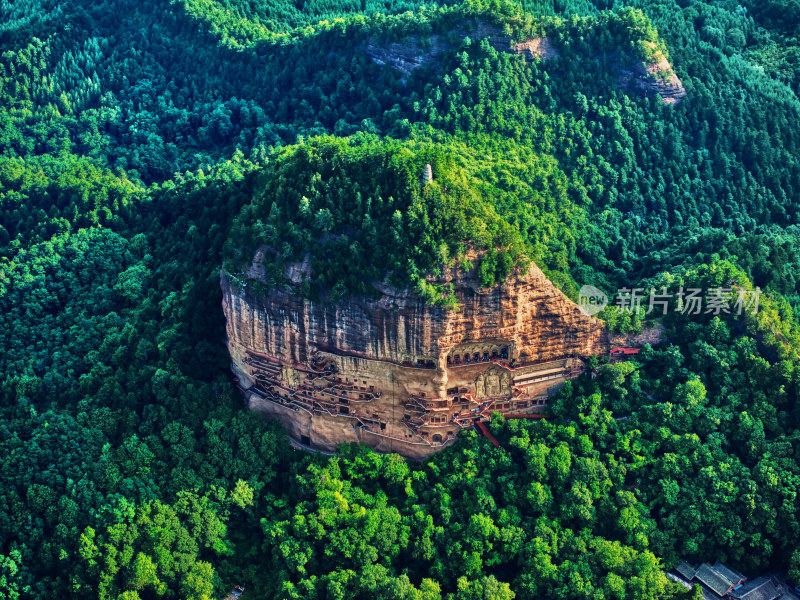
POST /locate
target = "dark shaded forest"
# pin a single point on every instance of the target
(143, 143)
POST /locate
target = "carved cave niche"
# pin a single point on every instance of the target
(480, 352)
(493, 383)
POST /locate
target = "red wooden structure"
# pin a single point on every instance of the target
(488, 434)
(625, 351)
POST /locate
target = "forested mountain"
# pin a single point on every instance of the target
(139, 137)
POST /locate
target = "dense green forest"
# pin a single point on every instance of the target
(359, 210)
(143, 143)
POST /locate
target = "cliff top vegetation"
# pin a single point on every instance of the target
(360, 210)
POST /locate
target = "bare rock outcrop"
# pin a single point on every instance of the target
(656, 78)
(408, 55)
(538, 47)
(414, 51)
(396, 373)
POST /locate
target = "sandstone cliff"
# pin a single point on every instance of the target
(653, 79)
(394, 372)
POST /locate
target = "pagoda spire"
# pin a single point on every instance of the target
(428, 174)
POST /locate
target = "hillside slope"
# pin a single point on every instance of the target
(138, 138)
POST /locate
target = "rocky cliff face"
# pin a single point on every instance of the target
(654, 79)
(398, 374)
(413, 52)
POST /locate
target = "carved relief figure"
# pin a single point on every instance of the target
(289, 376)
(505, 384)
(480, 389)
(492, 384)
